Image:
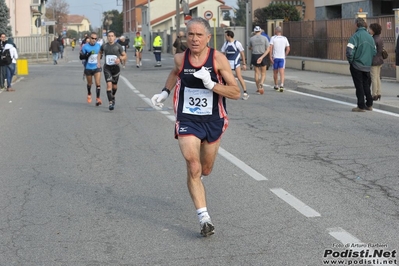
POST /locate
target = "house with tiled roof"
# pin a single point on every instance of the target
(162, 14)
(77, 23)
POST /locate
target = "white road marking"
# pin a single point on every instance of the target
(240, 164)
(342, 236)
(353, 243)
(295, 203)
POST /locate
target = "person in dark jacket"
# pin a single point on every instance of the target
(180, 43)
(397, 53)
(61, 44)
(55, 49)
(3, 69)
(360, 51)
(375, 72)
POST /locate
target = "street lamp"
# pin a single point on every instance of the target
(102, 14)
(99, 11)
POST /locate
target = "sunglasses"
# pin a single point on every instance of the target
(93, 38)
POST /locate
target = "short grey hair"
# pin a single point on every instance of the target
(202, 21)
(278, 29)
(360, 22)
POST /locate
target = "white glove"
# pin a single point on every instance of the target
(206, 78)
(158, 99)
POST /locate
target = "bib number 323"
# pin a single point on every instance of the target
(197, 101)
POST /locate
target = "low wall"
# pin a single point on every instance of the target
(318, 65)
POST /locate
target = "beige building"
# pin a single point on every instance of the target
(20, 10)
(162, 14)
(77, 23)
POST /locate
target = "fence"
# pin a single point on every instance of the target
(33, 47)
(327, 39)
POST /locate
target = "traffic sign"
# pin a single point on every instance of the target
(187, 18)
(38, 22)
(208, 15)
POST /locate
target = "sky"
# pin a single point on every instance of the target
(92, 9)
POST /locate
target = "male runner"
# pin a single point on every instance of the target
(125, 44)
(113, 54)
(279, 49)
(89, 53)
(138, 44)
(202, 79)
(234, 51)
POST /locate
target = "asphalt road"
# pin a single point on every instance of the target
(296, 178)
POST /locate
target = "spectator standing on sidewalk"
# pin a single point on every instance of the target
(157, 45)
(260, 48)
(375, 72)
(3, 69)
(360, 51)
(11, 67)
(234, 51)
(397, 54)
(279, 49)
(180, 43)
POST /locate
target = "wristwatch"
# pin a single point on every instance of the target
(167, 90)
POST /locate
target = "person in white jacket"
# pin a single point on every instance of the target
(11, 67)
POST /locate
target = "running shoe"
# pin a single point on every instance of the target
(207, 227)
(276, 87)
(111, 106)
(281, 89)
(245, 96)
(88, 98)
(98, 102)
(137, 66)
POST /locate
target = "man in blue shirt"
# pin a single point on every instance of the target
(89, 53)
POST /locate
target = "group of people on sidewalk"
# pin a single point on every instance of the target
(364, 52)
(8, 60)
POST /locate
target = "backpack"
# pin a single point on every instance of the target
(5, 58)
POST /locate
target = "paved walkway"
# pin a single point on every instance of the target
(338, 87)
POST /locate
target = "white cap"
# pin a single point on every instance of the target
(257, 28)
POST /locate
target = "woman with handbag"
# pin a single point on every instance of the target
(375, 71)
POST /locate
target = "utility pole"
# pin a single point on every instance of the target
(248, 22)
(177, 16)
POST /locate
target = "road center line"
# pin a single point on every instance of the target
(295, 203)
(240, 164)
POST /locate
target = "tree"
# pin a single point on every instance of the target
(72, 34)
(5, 19)
(57, 10)
(240, 14)
(226, 15)
(113, 20)
(276, 11)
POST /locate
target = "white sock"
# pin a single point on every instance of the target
(202, 213)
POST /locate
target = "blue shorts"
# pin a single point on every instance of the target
(279, 63)
(209, 131)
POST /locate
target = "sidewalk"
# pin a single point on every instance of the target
(338, 87)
